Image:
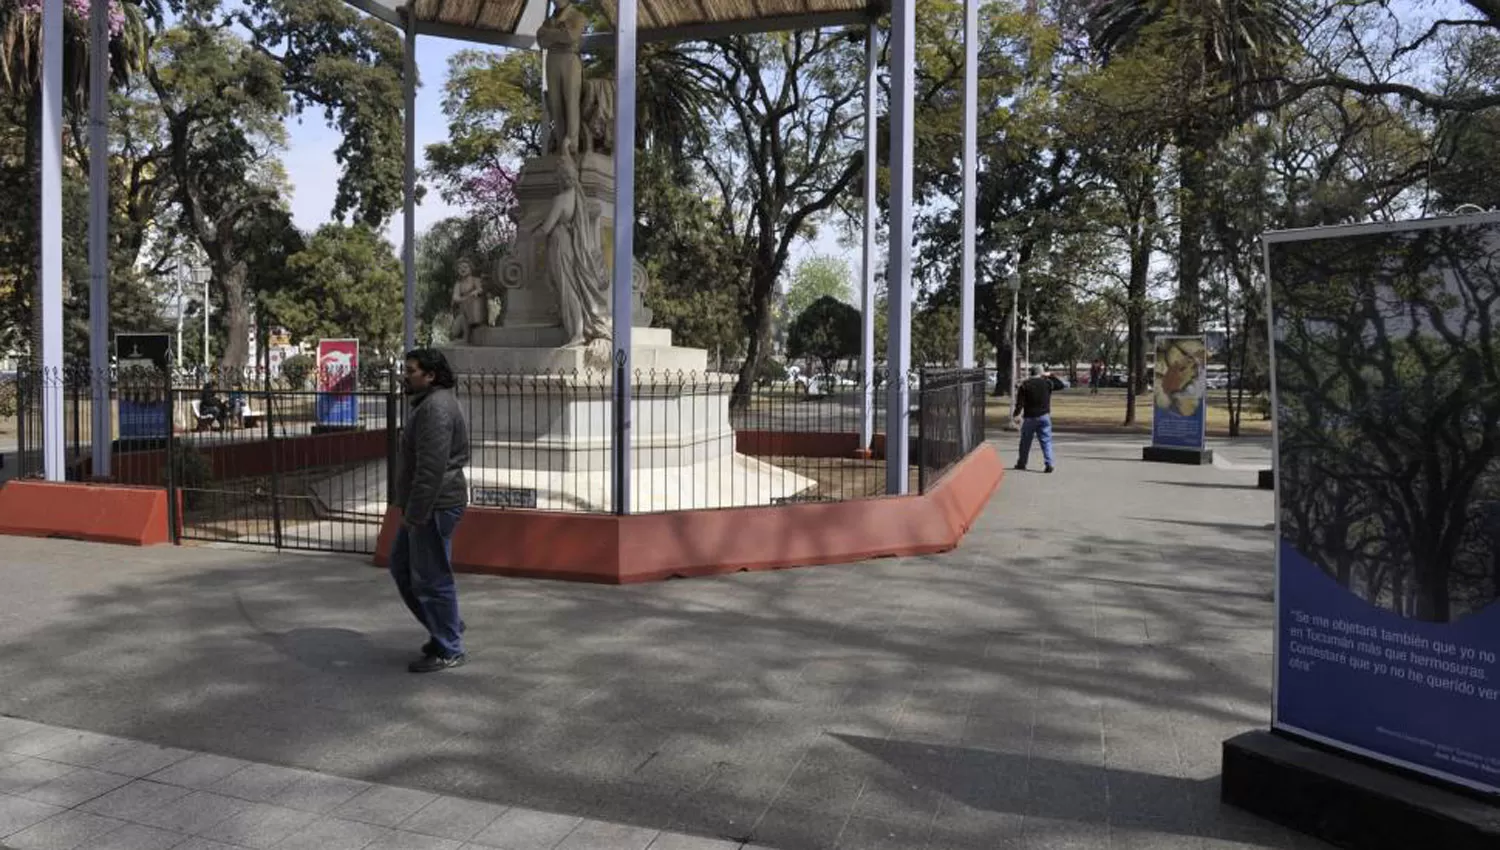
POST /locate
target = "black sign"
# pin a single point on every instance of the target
(143, 351)
(504, 497)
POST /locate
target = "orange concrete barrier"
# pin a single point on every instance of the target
(103, 513)
(649, 547)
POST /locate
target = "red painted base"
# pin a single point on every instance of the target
(649, 547)
(103, 513)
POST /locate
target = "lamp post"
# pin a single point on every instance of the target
(201, 276)
(1013, 283)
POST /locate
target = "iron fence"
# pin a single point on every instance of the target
(252, 458)
(949, 422)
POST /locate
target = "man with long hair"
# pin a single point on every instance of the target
(431, 494)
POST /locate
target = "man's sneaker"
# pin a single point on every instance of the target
(1020, 466)
(434, 663)
(431, 647)
(1049, 469)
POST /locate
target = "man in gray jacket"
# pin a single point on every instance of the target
(431, 494)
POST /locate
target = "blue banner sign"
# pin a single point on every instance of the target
(141, 362)
(1179, 417)
(1387, 403)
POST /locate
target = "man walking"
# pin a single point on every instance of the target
(431, 495)
(1034, 403)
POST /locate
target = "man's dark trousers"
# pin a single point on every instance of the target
(422, 565)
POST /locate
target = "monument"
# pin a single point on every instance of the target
(537, 386)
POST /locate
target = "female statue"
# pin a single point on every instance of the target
(471, 304)
(561, 35)
(575, 263)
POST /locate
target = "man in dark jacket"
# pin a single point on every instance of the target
(431, 494)
(1034, 403)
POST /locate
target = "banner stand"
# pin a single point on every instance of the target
(1179, 410)
(1349, 801)
(1168, 454)
(1385, 399)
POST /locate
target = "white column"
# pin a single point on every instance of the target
(898, 276)
(51, 343)
(624, 245)
(409, 184)
(970, 166)
(101, 422)
(867, 271)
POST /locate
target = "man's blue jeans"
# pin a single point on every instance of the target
(422, 565)
(1041, 428)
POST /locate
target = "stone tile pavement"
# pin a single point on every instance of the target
(1063, 680)
(65, 789)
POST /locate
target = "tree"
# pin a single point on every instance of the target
(20, 80)
(784, 146)
(1226, 56)
(814, 278)
(346, 282)
(222, 103)
(827, 331)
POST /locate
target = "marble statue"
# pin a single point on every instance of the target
(561, 35)
(575, 261)
(470, 301)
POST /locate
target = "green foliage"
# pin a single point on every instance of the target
(297, 370)
(771, 371)
(817, 277)
(827, 331)
(347, 282)
(190, 472)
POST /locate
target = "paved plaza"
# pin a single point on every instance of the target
(1063, 680)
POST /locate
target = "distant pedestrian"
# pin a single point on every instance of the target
(431, 494)
(1034, 405)
(1096, 376)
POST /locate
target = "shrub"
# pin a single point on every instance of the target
(771, 371)
(191, 472)
(295, 370)
(8, 394)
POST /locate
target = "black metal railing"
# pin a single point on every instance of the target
(950, 420)
(269, 459)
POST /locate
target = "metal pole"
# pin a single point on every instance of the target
(624, 245)
(53, 462)
(100, 421)
(1028, 331)
(409, 184)
(1015, 341)
(898, 277)
(867, 299)
(970, 166)
(206, 279)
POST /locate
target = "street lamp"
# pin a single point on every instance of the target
(201, 277)
(1013, 283)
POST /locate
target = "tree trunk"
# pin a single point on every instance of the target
(758, 326)
(1194, 148)
(236, 354)
(32, 225)
(1135, 313)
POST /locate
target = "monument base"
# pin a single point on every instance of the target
(1348, 801)
(1166, 454)
(1266, 479)
(506, 351)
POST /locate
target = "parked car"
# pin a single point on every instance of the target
(818, 385)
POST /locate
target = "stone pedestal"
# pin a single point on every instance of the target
(527, 298)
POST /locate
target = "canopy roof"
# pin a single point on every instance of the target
(513, 23)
